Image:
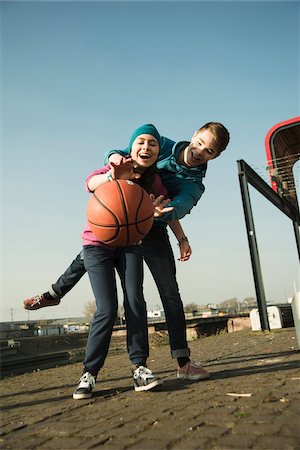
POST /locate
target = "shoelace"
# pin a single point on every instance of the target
(196, 364)
(88, 378)
(36, 300)
(143, 372)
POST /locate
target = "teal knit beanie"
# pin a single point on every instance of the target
(148, 128)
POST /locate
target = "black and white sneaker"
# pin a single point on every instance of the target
(143, 379)
(86, 384)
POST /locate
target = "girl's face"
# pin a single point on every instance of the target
(144, 150)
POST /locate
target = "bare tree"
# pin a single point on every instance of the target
(191, 307)
(89, 309)
(231, 303)
(249, 301)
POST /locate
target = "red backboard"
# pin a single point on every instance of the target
(283, 151)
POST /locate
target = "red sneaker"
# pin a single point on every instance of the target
(39, 301)
(192, 371)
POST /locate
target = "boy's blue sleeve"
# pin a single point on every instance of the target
(183, 203)
(124, 152)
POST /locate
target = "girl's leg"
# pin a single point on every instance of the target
(130, 269)
(99, 263)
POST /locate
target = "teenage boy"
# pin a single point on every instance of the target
(182, 167)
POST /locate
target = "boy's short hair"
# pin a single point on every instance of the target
(220, 133)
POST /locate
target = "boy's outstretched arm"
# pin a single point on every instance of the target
(112, 155)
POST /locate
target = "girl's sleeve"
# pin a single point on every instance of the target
(159, 188)
(96, 172)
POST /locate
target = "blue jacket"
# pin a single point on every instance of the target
(184, 184)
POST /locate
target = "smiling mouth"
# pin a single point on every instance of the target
(145, 157)
(196, 158)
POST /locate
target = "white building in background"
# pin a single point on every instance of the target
(156, 314)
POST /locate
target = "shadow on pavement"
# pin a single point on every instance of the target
(239, 372)
(167, 385)
(233, 359)
(37, 391)
(106, 393)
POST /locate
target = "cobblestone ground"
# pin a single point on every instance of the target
(251, 401)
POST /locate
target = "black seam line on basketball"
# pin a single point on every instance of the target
(119, 226)
(125, 210)
(141, 222)
(116, 225)
(138, 208)
(138, 222)
(105, 207)
(117, 230)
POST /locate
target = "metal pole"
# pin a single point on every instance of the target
(297, 236)
(256, 267)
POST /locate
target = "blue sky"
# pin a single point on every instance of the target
(79, 77)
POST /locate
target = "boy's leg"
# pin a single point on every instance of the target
(69, 278)
(159, 257)
(59, 289)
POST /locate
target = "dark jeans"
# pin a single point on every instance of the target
(159, 257)
(101, 263)
(69, 278)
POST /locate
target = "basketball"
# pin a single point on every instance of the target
(120, 213)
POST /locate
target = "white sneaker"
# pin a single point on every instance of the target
(143, 379)
(86, 384)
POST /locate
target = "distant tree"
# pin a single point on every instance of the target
(190, 307)
(249, 301)
(89, 309)
(231, 303)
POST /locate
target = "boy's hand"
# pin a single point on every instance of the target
(159, 205)
(124, 169)
(185, 251)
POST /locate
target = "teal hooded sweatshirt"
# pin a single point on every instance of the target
(184, 184)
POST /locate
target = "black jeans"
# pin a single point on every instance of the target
(101, 264)
(159, 257)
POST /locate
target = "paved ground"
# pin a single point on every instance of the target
(252, 401)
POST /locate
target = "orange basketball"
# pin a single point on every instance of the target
(120, 213)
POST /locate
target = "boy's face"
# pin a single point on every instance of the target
(203, 147)
(144, 150)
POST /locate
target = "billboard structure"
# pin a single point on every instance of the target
(283, 151)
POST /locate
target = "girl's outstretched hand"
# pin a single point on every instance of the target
(124, 169)
(159, 204)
